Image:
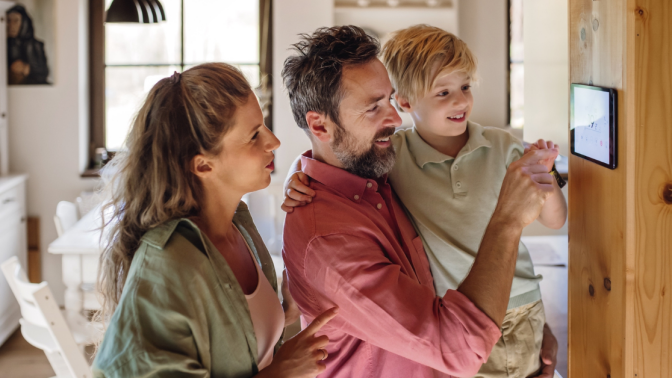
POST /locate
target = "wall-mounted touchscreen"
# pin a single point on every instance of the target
(593, 124)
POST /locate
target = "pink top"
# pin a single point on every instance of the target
(268, 318)
(353, 247)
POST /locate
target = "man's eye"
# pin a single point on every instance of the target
(255, 135)
(373, 109)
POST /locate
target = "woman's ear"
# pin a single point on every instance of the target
(403, 103)
(201, 166)
(317, 126)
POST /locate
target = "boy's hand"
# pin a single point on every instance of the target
(297, 192)
(544, 145)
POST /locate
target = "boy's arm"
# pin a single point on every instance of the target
(296, 190)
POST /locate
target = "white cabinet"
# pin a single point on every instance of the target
(13, 242)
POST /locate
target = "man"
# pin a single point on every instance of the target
(354, 247)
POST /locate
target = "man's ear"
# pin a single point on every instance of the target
(201, 166)
(317, 126)
(403, 103)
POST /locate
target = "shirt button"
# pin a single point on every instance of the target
(356, 197)
(379, 206)
(455, 167)
(369, 185)
(458, 184)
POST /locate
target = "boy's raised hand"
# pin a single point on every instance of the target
(544, 145)
(297, 192)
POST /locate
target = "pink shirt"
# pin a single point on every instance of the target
(353, 247)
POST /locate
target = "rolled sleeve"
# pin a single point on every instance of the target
(392, 311)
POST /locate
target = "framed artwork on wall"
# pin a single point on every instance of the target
(30, 42)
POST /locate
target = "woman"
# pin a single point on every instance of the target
(187, 281)
(26, 58)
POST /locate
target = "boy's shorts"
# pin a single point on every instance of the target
(516, 353)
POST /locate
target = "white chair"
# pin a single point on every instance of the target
(66, 216)
(43, 324)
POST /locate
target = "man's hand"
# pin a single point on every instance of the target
(544, 145)
(525, 188)
(549, 354)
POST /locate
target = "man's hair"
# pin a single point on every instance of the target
(313, 77)
(411, 53)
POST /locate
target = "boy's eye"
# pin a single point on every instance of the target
(444, 93)
(466, 87)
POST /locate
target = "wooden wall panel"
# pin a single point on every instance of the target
(653, 189)
(620, 221)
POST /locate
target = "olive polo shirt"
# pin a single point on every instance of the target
(451, 200)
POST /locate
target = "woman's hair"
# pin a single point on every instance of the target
(151, 182)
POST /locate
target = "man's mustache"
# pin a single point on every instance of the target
(384, 133)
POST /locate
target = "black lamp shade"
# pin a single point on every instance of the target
(136, 11)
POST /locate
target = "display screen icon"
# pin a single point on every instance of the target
(593, 124)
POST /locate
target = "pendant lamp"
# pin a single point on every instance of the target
(136, 11)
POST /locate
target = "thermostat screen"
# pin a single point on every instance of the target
(591, 123)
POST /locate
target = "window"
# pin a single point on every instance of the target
(136, 56)
(517, 66)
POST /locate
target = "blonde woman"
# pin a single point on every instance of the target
(189, 287)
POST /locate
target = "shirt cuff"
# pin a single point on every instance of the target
(483, 333)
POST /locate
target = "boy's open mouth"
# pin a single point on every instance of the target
(458, 117)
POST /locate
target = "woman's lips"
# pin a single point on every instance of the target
(271, 166)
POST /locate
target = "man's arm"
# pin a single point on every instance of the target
(526, 187)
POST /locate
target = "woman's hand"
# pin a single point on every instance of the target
(292, 311)
(302, 355)
(297, 191)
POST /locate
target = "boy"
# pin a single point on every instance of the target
(448, 162)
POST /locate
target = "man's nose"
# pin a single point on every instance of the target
(393, 119)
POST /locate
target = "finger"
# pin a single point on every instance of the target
(321, 342)
(302, 187)
(298, 196)
(293, 203)
(542, 178)
(557, 147)
(541, 144)
(320, 322)
(549, 144)
(304, 179)
(547, 372)
(536, 168)
(535, 156)
(320, 354)
(287, 209)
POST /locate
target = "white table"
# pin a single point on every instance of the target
(81, 247)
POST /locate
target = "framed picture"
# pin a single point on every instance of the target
(30, 42)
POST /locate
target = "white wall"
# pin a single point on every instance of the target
(483, 26)
(48, 131)
(291, 17)
(546, 71)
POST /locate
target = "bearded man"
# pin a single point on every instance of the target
(354, 247)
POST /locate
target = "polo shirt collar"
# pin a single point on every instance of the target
(424, 153)
(347, 184)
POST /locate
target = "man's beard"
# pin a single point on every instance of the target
(373, 163)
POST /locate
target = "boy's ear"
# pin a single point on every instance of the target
(201, 166)
(317, 126)
(403, 103)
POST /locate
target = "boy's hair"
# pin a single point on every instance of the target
(313, 75)
(411, 54)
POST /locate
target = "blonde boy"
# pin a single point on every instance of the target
(447, 161)
(450, 163)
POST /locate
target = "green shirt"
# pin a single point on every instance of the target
(182, 312)
(451, 200)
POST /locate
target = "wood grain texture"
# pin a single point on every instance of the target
(597, 202)
(653, 183)
(620, 221)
